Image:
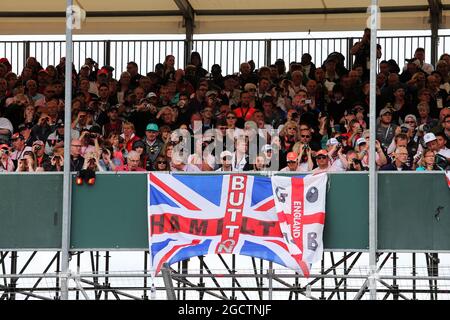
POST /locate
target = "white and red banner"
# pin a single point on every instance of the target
(279, 219)
(300, 206)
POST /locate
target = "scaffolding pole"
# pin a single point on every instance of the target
(372, 165)
(65, 246)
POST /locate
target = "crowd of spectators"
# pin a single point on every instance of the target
(295, 117)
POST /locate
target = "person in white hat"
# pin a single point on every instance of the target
(337, 158)
(225, 161)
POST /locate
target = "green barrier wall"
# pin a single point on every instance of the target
(30, 211)
(407, 212)
(112, 214)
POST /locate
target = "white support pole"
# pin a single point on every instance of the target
(373, 191)
(67, 182)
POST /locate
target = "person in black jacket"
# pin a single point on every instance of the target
(76, 160)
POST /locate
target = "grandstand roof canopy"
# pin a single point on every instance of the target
(216, 16)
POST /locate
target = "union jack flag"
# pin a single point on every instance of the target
(198, 215)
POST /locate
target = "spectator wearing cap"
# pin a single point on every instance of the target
(102, 78)
(385, 128)
(153, 145)
(399, 163)
(362, 147)
(292, 162)
(335, 153)
(225, 161)
(6, 130)
(6, 163)
(412, 67)
(322, 161)
(269, 157)
(43, 162)
(19, 147)
(25, 130)
(55, 139)
(85, 72)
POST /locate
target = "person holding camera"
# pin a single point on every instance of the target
(361, 51)
(91, 162)
(19, 147)
(57, 160)
(27, 163)
(56, 139)
(42, 162)
(353, 163)
(6, 163)
(80, 123)
(337, 158)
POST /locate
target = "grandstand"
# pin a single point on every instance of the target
(303, 105)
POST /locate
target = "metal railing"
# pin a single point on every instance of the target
(228, 53)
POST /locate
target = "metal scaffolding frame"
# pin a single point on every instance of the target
(261, 282)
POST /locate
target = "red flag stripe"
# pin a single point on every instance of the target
(184, 202)
(266, 206)
(314, 218)
(174, 223)
(169, 254)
